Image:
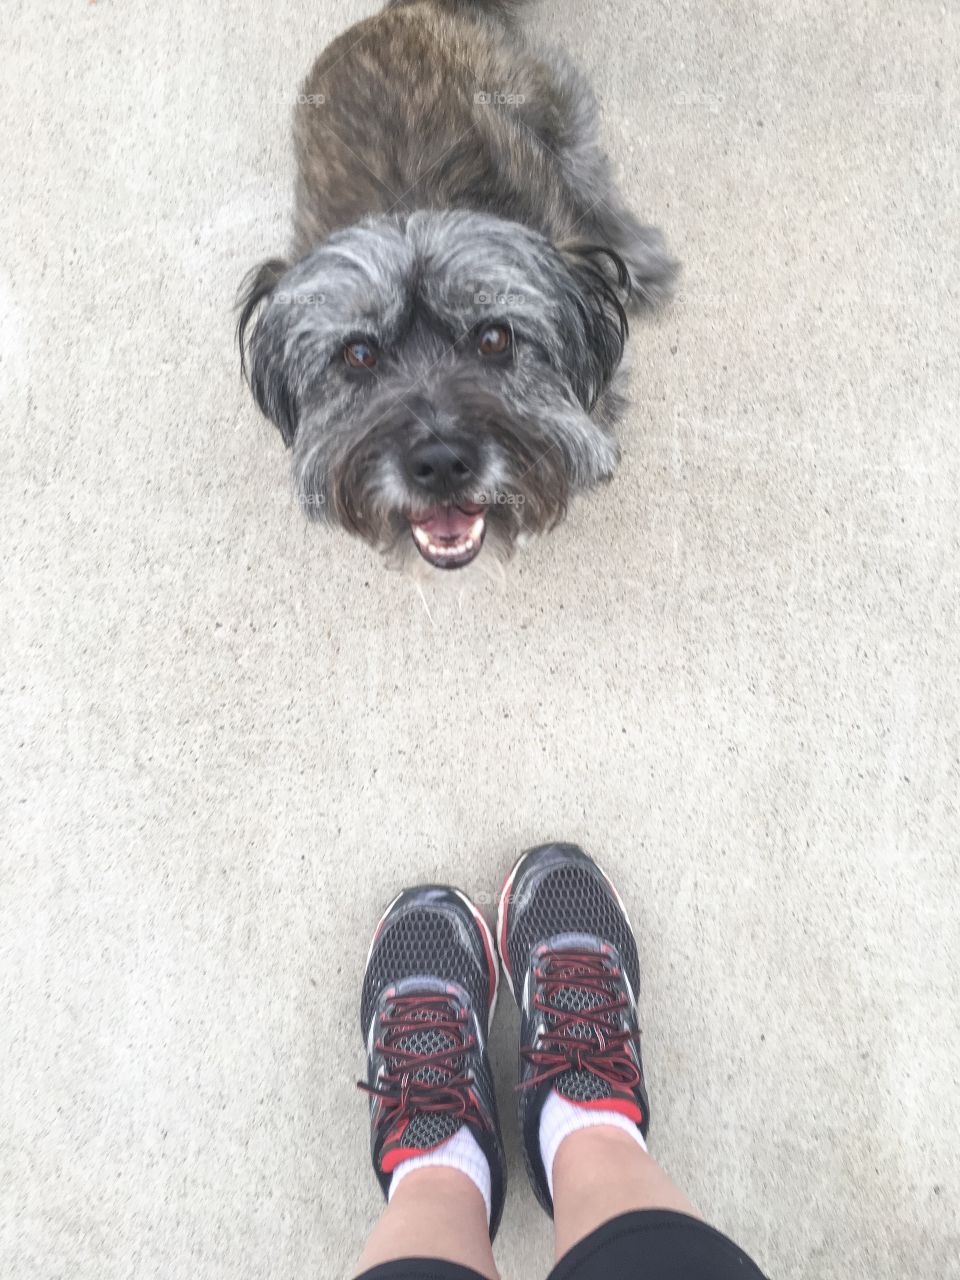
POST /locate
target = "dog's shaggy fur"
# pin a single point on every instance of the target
(440, 348)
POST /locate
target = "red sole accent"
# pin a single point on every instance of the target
(503, 907)
(399, 1154)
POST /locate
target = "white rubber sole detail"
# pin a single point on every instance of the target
(376, 932)
(491, 949)
(501, 911)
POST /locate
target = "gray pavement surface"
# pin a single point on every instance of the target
(228, 739)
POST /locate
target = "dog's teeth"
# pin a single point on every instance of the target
(476, 529)
(448, 551)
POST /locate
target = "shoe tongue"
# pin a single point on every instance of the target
(575, 998)
(579, 1086)
(582, 1086)
(427, 1129)
(425, 1039)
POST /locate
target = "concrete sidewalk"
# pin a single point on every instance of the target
(228, 739)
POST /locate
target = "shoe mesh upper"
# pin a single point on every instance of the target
(426, 1128)
(571, 897)
(420, 942)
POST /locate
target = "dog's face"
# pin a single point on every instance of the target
(438, 378)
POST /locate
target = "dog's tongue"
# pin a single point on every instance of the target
(449, 537)
(451, 523)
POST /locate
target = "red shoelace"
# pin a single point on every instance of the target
(563, 1046)
(402, 1094)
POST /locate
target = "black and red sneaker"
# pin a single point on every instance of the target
(571, 960)
(429, 992)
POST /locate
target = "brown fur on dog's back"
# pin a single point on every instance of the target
(393, 117)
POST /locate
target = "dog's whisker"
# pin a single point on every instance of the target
(426, 607)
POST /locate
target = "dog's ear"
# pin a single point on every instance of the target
(596, 317)
(650, 267)
(261, 350)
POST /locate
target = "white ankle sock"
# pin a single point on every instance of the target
(462, 1152)
(559, 1118)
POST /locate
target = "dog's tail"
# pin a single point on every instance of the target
(503, 8)
(506, 10)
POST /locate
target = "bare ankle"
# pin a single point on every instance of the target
(601, 1173)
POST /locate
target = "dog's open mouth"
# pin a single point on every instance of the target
(449, 537)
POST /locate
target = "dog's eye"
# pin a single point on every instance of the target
(495, 340)
(360, 354)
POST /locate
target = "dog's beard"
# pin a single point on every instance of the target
(530, 464)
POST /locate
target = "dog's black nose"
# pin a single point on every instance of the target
(442, 466)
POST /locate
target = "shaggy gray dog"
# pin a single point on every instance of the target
(440, 350)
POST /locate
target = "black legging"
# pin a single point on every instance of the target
(651, 1245)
